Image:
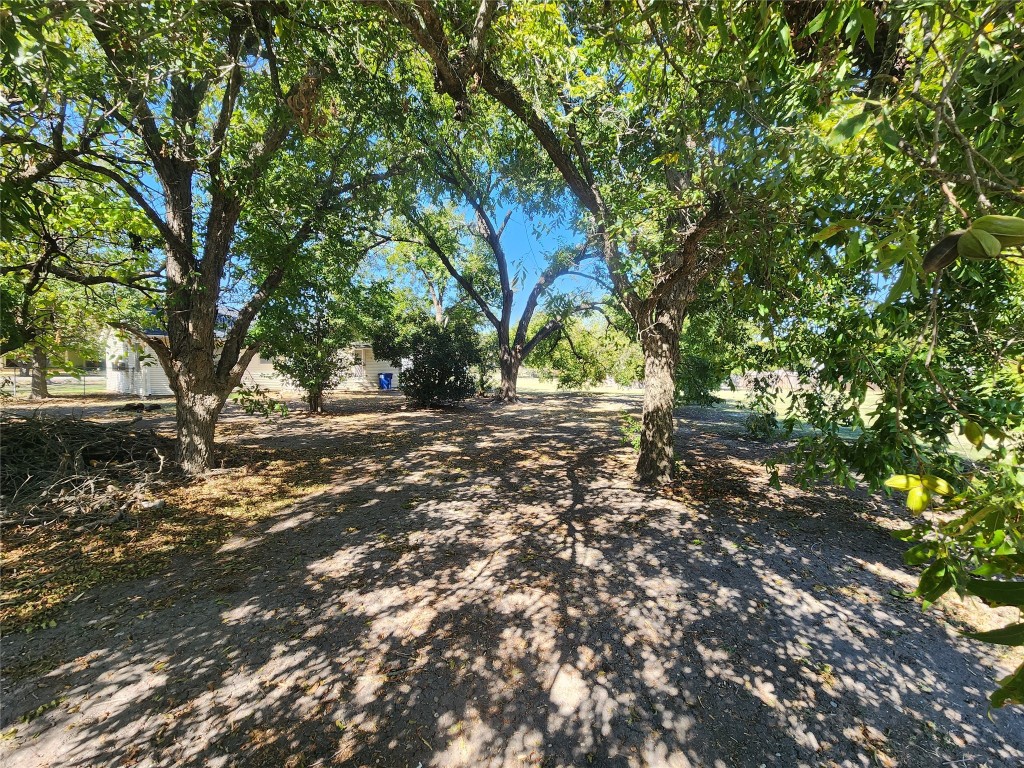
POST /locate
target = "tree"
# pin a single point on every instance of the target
(219, 106)
(588, 351)
(50, 318)
(55, 269)
(68, 325)
(486, 165)
(488, 281)
(307, 325)
(714, 338)
(648, 133)
(966, 301)
(306, 340)
(905, 325)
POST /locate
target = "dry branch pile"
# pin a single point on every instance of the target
(53, 469)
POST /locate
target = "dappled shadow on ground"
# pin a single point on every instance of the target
(485, 587)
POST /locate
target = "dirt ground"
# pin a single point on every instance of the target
(485, 587)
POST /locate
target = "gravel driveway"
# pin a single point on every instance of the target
(486, 587)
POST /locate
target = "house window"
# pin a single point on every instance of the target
(357, 357)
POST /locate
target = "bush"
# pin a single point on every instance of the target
(762, 425)
(305, 332)
(631, 430)
(442, 360)
(696, 378)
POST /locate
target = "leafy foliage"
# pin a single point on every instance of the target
(306, 327)
(830, 190)
(257, 401)
(899, 346)
(631, 429)
(440, 358)
(305, 334)
(232, 131)
(696, 379)
(588, 351)
(711, 345)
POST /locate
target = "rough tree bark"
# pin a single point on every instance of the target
(197, 413)
(509, 361)
(39, 370)
(656, 463)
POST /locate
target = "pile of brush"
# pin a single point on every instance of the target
(93, 473)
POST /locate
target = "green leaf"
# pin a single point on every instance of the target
(1011, 689)
(834, 229)
(815, 24)
(869, 23)
(901, 286)
(998, 592)
(935, 582)
(784, 36)
(889, 136)
(921, 553)
(905, 534)
(1012, 634)
(849, 128)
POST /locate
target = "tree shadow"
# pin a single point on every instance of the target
(486, 588)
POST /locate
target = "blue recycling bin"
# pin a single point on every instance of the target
(384, 380)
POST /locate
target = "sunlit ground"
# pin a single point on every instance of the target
(485, 587)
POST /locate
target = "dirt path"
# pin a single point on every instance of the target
(484, 588)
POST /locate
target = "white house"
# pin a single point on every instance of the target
(133, 370)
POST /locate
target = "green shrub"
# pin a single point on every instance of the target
(442, 360)
(762, 424)
(696, 378)
(631, 429)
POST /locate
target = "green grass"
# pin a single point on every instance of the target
(737, 400)
(63, 390)
(528, 384)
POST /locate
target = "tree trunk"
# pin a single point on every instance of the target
(657, 458)
(508, 363)
(40, 363)
(316, 401)
(197, 417)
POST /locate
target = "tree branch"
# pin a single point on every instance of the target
(161, 350)
(138, 198)
(103, 30)
(467, 285)
(547, 277)
(685, 261)
(227, 106)
(235, 337)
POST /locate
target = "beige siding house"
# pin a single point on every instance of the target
(131, 370)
